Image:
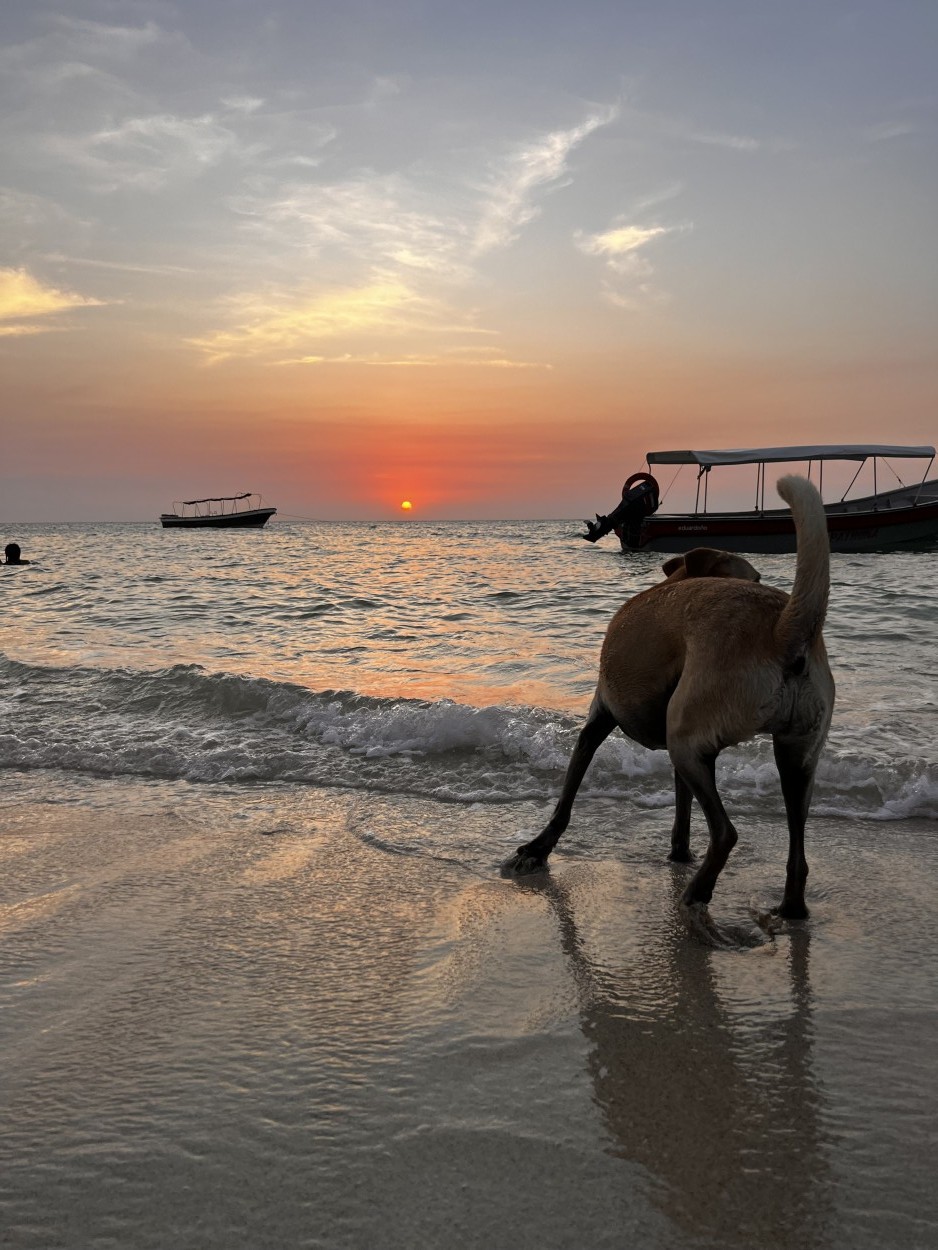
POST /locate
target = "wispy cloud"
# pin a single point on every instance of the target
(619, 241)
(281, 321)
(381, 220)
(91, 262)
(400, 232)
(147, 152)
(23, 299)
(95, 97)
(511, 201)
(15, 331)
(448, 360)
(629, 272)
(737, 143)
(23, 211)
(289, 199)
(885, 131)
(76, 55)
(101, 39)
(313, 202)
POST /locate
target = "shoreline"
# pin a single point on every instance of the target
(275, 1015)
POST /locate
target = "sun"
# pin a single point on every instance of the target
(406, 505)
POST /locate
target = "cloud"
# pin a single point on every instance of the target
(98, 98)
(511, 204)
(149, 151)
(413, 233)
(71, 42)
(61, 258)
(243, 104)
(380, 221)
(619, 241)
(23, 296)
(629, 272)
(22, 211)
(19, 331)
(451, 360)
(737, 143)
(99, 39)
(259, 326)
(886, 131)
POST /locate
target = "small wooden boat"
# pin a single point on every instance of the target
(903, 518)
(222, 512)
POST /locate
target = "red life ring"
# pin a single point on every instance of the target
(639, 477)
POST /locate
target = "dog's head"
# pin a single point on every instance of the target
(709, 562)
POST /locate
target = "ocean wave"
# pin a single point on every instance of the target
(187, 723)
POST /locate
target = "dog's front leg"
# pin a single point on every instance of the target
(680, 832)
(533, 855)
(698, 770)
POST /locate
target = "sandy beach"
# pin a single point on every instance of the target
(266, 1017)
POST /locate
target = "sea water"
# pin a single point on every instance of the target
(262, 985)
(454, 661)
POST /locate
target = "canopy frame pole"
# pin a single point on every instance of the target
(922, 482)
(852, 480)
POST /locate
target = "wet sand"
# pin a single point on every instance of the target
(280, 1017)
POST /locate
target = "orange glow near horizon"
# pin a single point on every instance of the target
(520, 445)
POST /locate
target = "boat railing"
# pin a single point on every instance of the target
(204, 508)
(873, 502)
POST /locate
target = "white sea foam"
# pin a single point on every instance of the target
(454, 661)
(186, 723)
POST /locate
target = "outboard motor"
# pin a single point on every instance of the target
(640, 498)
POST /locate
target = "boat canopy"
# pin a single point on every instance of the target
(778, 455)
(217, 499)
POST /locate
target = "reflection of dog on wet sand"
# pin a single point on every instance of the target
(701, 662)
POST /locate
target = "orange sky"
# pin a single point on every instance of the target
(439, 269)
(352, 442)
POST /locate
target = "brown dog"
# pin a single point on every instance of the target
(699, 663)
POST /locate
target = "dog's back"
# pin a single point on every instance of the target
(723, 647)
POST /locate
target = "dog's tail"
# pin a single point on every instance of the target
(802, 618)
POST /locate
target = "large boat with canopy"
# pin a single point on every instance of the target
(246, 511)
(903, 517)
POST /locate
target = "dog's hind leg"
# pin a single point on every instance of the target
(698, 770)
(797, 777)
(680, 831)
(533, 855)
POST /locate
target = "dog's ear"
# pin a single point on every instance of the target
(702, 561)
(672, 565)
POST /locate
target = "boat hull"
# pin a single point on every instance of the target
(250, 518)
(907, 527)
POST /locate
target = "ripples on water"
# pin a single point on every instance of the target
(287, 1009)
(453, 659)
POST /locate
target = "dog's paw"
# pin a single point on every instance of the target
(791, 911)
(523, 862)
(681, 855)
